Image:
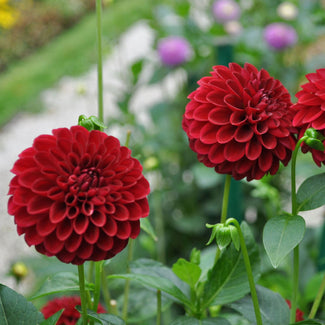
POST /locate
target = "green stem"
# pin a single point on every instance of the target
(98, 271)
(318, 299)
(248, 271)
(106, 294)
(225, 199)
(83, 296)
(127, 281)
(99, 61)
(158, 307)
(294, 211)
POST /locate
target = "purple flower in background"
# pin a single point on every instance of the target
(174, 50)
(225, 10)
(280, 35)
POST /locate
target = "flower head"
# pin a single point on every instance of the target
(280, 36)
(174, 50)
(226, 10)
(287, 10)
(239, 122)
(78, 195)
(70, 315)
(299, 313)
(309, 110)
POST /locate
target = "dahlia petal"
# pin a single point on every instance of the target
(238, 118)
(195, 128)
(280, 152)
(64, 230)
(87, 208)
(42, 186)
(223, 72)
(121, 213)
(109, 208)
(65, 256)
(24, 219)
(201, 95)
(32, 237)
(141, 189)
(202, 112)
(22, 164)
(28, 177)
(234, 102)
(319, 123)
(52, 244)
(119, 244)
(265, 160)
(22, 196)
(80, 224)
(134, 211)
(309, 99)
(261, 127)
(85, 250)
(234, 87)
(127, 197)
(123, 230)
(73, 242)
(253, 149)
(208, 133)
(220, 116)
(190, 109)
(297, 120)
(243, 133)
(312, 114)
(243, 166)
(110, 228)
(92, 234)
(280, 132)
(135, 229)
(44, 142)
(58, 212)
(144, 207)
(44, 227)
(39, 204)
(234, 151)
(64, 144)
(216, 154)
(98, 218)
(201, 148)
(105, 242)
(226, 133)
(72, 212)
(216, 98)
(268, 141)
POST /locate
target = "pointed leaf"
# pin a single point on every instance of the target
(227, 279)
(186, 320)
(187, 271)
(105, 319)
(309, 322)
(273, 307)
(311, 193)
(147, 227)
(53, 319)
(60, 282)
(281, 235)
(15, 309)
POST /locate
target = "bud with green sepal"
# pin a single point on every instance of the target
(91, 123)
(314, 139)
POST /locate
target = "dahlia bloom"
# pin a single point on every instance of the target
(174, 50)
(299, 313)
(225, 11)
(78, 195)
(70, 315)
(239, 122)
(280, 36)
(309, 110)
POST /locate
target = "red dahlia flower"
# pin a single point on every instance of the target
(78, 195)
(299, 313)
(239, 122)
(70, 314)
(310, 110)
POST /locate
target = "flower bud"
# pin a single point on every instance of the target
(223, 237)
(19, 271)
(280, 36)
(314, 139)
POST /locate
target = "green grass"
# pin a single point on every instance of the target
(71, 53)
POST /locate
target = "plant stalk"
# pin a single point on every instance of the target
(99, 61)
(318, 299)
(83, 297)
(248, 271)
(158, 307)
(225, 199)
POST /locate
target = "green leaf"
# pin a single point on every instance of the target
(60, 282)
(309, 322)
(311, 193)
(273, 307)
(136, 69)
(227, 279)
(312, 286)
(147, 227)
(15, 309)
(281, 235)
(187, 271)
(53, 319)
(104, 319)
(155, 275)
(186, 320)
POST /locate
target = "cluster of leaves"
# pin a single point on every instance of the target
(36, 23)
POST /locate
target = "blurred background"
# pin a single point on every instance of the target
(155, 51)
